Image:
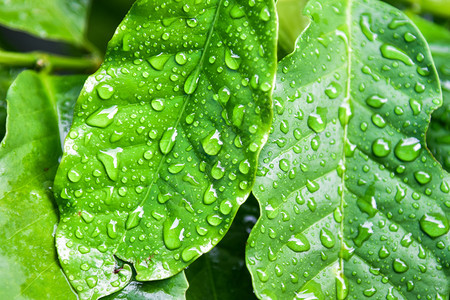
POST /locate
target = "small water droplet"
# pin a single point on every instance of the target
(376, 101)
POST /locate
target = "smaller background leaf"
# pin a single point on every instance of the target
(63, 20)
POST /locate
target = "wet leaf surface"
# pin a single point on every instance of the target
(165, 139)
(353, 204)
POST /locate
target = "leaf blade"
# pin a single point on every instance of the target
(331, 179)
(67, 18)
(184, 96)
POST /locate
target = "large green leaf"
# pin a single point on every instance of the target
(353, 204)
(63, 20)
(165, 139)
(221, 273)
(28, 161)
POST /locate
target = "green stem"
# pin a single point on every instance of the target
(48, 61)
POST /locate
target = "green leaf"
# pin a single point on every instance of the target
(7, 76)
(166, 289)
(353, 204)
(63, 20)
(165, 139)
(221, 273)
(28, 161)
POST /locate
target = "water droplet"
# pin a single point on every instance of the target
(400, 266)
(74, 175)
(364, 233)
(191, 83)
(327, 238)
(189, 254)
(214, 220)
(384, 252)
(370, 292)
(298, 243)
(159, 61)
(365, 22)
(408, 149)
(237, 11)
(158, 104)
(244, 167)
(225, 207)
(342, 288)
(232, 60)
(238, 115)
(262, 275)
(376, 101)
(224, 95)
(105, 91)
(210, 195)
(317, 121)
(172, 233)
(212, 143)
(422, 177)
(378, 120)
(381, 147)
(284, 165)
(217, 171)
(102, 117)
(111, 229)
(264, 14)
(92, 281)
(87, 217)
(110, 160)
(392, 52)
(333, 90)
(167, 141)
(134, 218)
(175, 168)
(181, 58)
(434, 224)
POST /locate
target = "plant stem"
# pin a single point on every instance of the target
(49, 61)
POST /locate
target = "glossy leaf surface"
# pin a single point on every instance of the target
(222, 273)
(353, 204)
(165, 139)
(28, 159)
(62, 20)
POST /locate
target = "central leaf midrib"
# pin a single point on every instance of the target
(196, 70)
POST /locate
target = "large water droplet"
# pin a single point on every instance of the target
(434, 224)
(159, 61)
(298, 243)
(105, 91)
(158, 104)
(102, 117)
(400, 266)
(408, 149)
(167, 141)
(381, 147)
(232, 60)
(134, 218)
(191, 83)
(210, 195)
(317, 121)
(172, 233)
(212, 143)
(364, 233)
(110, 160)
(327, 238)
(392, 52)
(376, 101)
